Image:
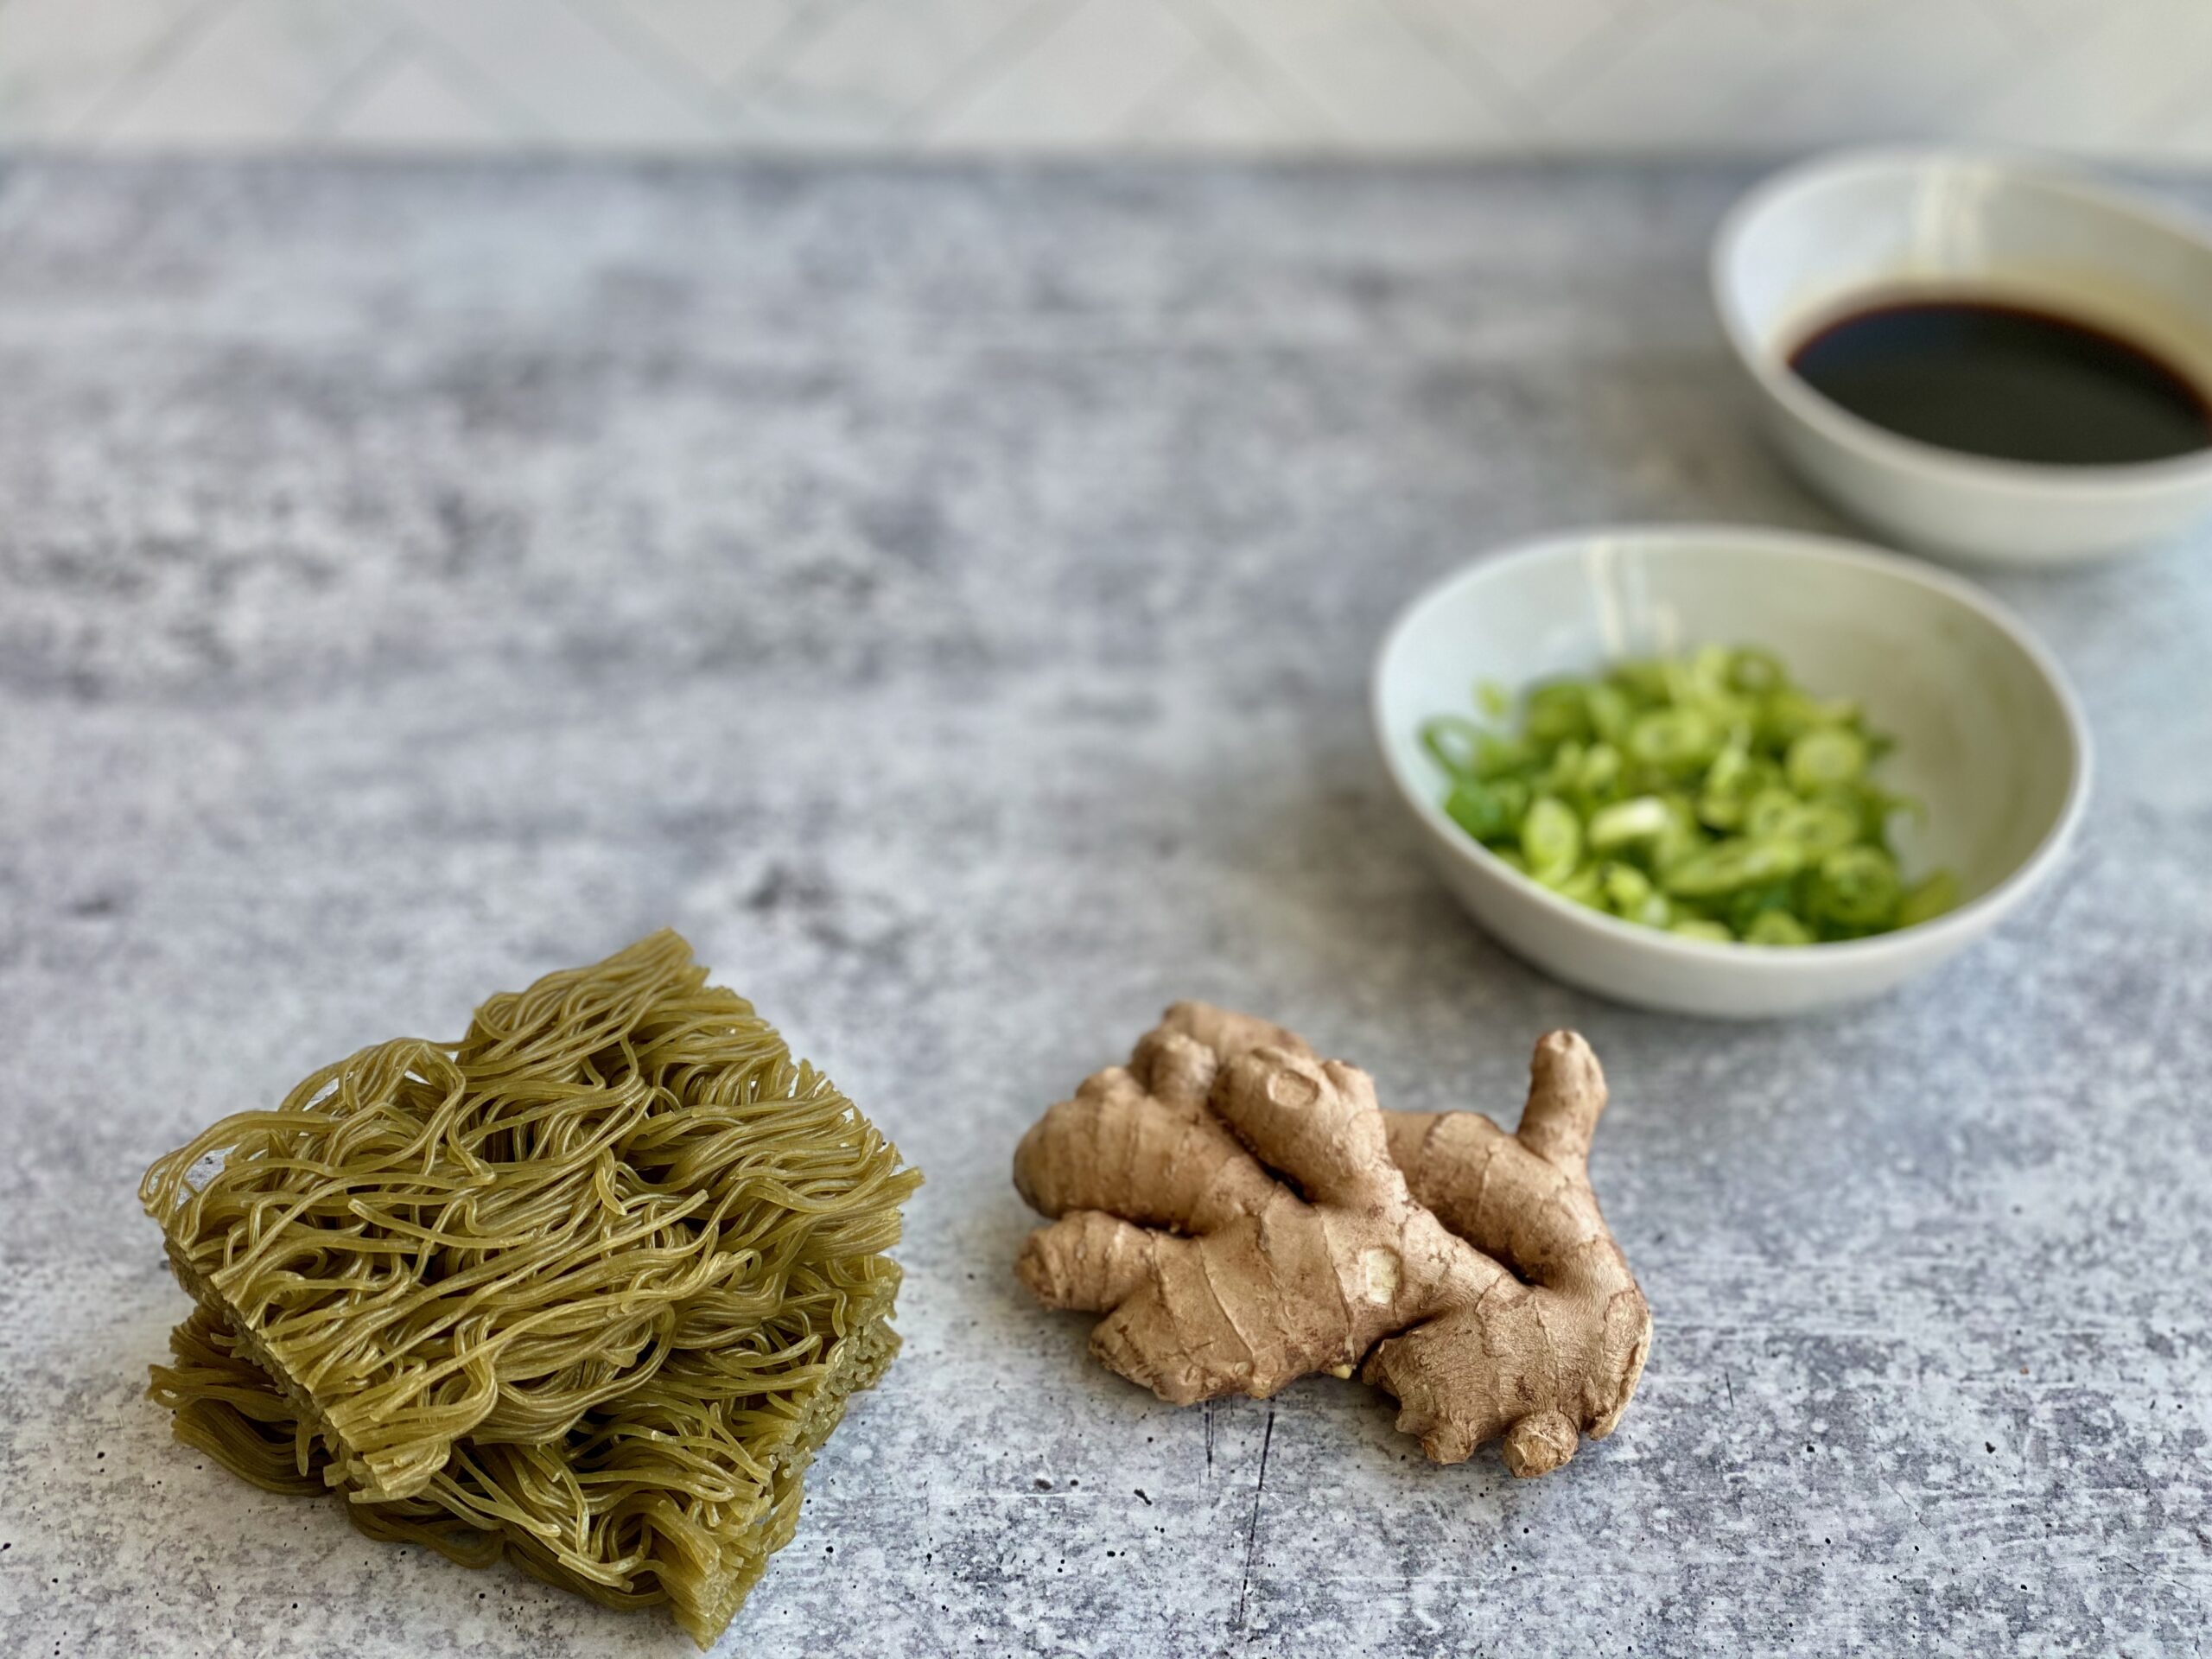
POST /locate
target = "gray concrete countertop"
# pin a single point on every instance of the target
(945, 593)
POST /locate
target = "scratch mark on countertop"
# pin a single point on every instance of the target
(1252, 1526)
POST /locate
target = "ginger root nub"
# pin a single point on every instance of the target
(1244, 1214)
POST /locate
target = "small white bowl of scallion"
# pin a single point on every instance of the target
(1728, 771)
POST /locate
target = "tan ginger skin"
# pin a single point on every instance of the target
(1244, 1214)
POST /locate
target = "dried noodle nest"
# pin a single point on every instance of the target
(586, 1289)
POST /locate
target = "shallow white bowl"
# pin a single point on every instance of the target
(1988, 735)
(1820, 241)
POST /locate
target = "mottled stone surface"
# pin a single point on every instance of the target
(946, 593)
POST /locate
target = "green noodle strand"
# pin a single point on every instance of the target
(584, 1290)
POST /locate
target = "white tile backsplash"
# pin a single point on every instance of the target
(716, 40)
(1214, 105)
(64, 63)
(579, 82)
(895, 62)
(1521, 42)
(2112, 76)
(409, 102)
(2125, 78)
(1379, 83)
(1084, 76)
(259, 71)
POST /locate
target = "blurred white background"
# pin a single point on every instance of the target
(2127, 78)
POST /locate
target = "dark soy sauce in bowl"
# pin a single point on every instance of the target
(2007, 382)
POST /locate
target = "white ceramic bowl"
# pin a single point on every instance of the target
(1988, 735)
(1819, 241)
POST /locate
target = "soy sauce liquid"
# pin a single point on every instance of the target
(2006, 381)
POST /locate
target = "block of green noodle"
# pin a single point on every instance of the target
(585, 1289)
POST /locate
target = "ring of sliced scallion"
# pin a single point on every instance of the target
(1706, 794)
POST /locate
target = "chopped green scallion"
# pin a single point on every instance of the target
(1706, 794)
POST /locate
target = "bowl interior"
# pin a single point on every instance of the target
(1984, 737)
(1823, 240)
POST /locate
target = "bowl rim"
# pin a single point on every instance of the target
(2052, 175)
(1954, 928)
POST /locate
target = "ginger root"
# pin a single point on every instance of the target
(1244, 1214)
